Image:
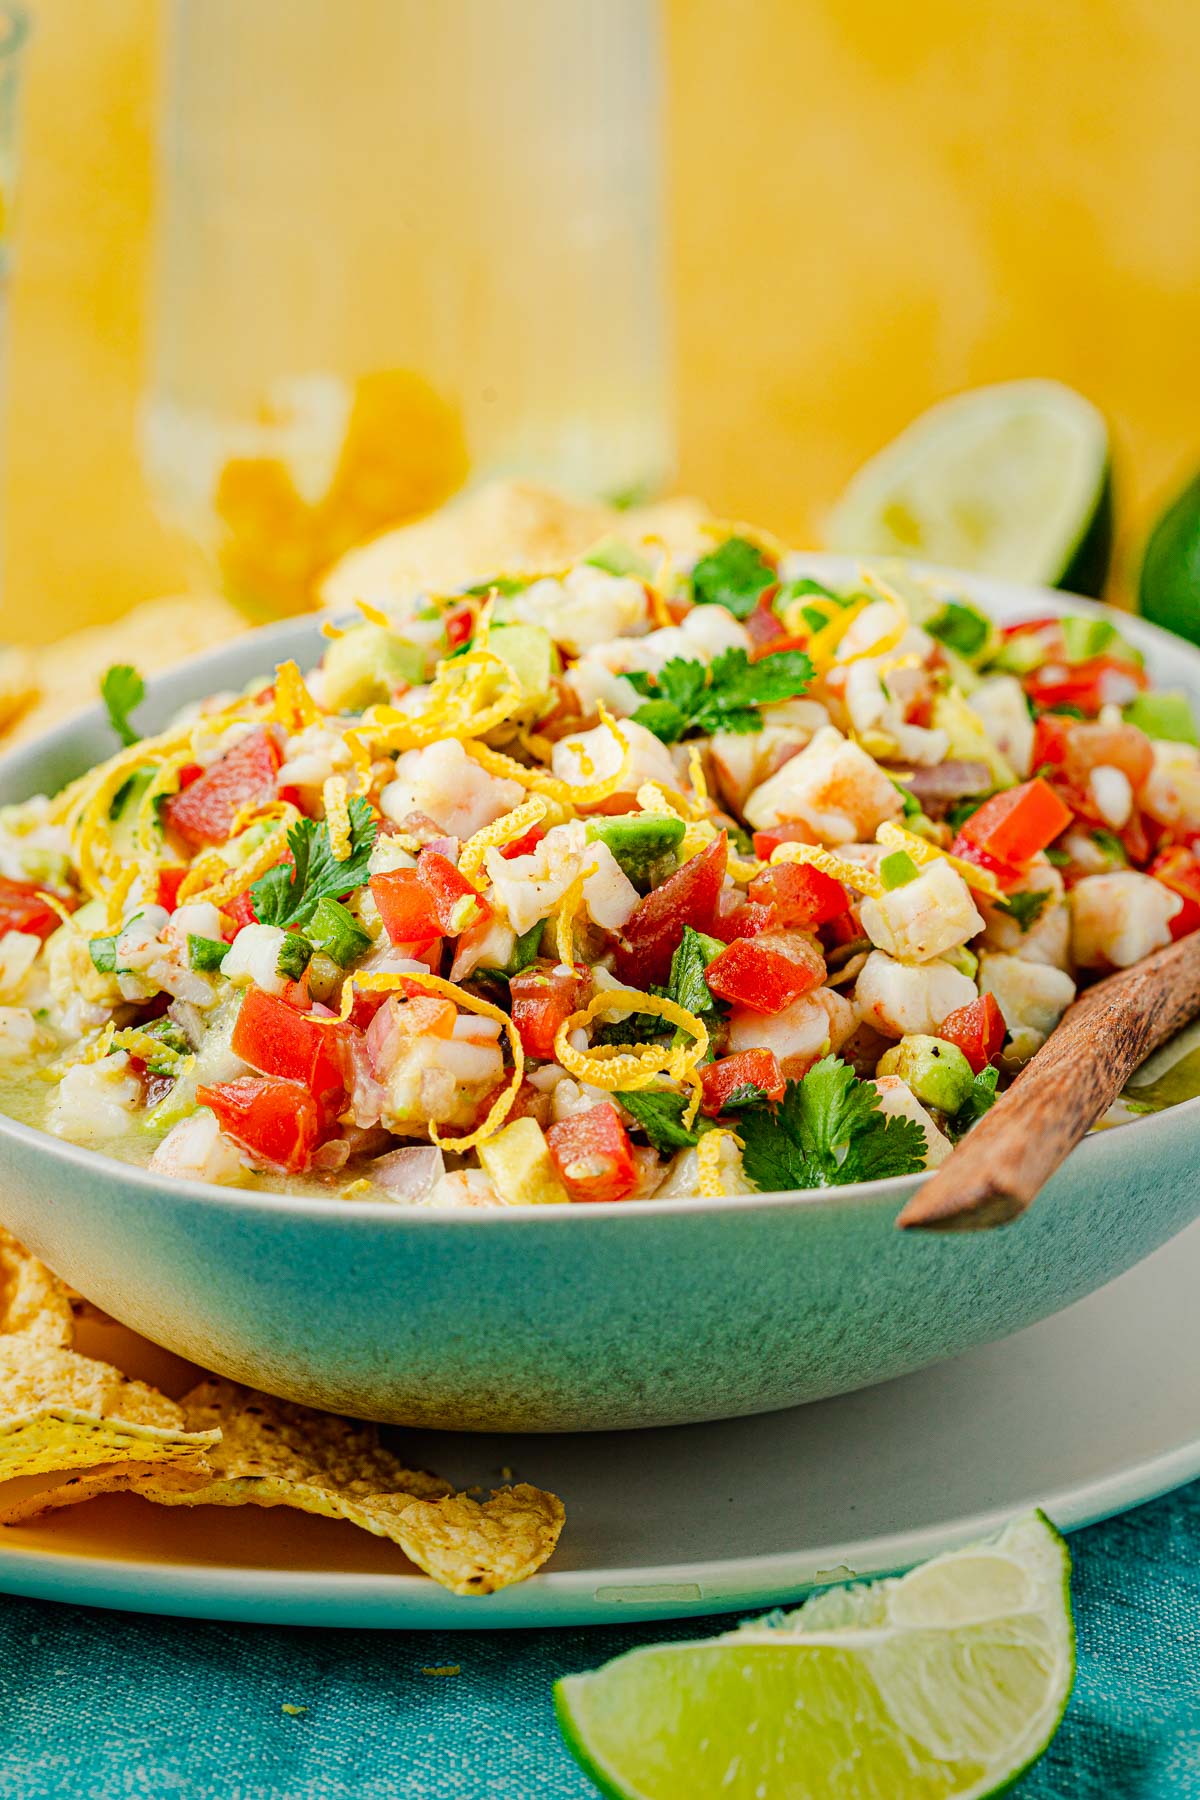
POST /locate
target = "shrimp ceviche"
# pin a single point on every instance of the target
(621, 882)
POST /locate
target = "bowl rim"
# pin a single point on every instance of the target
(283, 634)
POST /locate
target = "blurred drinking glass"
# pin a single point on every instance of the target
(401, 245)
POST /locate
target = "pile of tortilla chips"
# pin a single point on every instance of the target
(86, 1424)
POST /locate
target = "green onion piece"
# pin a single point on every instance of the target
(897, 869)
(295, 954)
(104, 954)
(526, 948)
(205, 953)
(338, 933)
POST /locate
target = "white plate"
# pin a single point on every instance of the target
(1087, 1413)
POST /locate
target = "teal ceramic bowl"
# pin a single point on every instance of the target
(573, 1318)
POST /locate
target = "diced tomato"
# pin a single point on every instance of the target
(803, 897)
(1179, 870)
(460, 625)
(1027, 626)
(767, 841)
(593, 1155)
(542, 997)
(1100, 681)
(204, 812)
(23, 909)
(406, 907)
(747, 1068)
(745, 921)
(977, 1029)
(190, 772)
(277, 1040)
(240, 911)
(750, 973)
(523, 846)
(166, 892)
(1013, 826)
(655, 926)
(847, 928)
(456, 904)
(764, 627)
(530, 1103)
(278, 1122)
(1077, 746)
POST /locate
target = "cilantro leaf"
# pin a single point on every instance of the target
(687, 986)
(978, 1101)
(121, 689)
(290, 896)
(748, 1093)
(828, 1129)
(733, 576)
(1025, 907)
(1110, 843)
(659, 1113)
(912, 806)
(962, 628)
(726, 696)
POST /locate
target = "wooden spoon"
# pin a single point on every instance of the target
(1005, 1160)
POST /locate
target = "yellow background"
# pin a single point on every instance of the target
(873, 204)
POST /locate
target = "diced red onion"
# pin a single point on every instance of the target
(408, 1174)
(952, 780)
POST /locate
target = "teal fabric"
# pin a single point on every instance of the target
(112, 1706)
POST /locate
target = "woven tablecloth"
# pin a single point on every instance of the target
(96, 1705)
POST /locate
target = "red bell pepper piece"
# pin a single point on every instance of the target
(977, 1029)
(1013, 826)
(278, 1122)
(166, 892)
(746, 1068)
(23, 909)
(457, 906)
(593, 1155)
(203, 813)
(1179, 870)
(275, 1039)
(654, 928)
(542, 998)
(751, 973)
(803, 897)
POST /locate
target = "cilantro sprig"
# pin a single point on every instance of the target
(290, 895)
(659, 1112)
(733, 576)
(1025, 907)
(122, 689)
(723, 696)
(829, 1129)
(981, 1099)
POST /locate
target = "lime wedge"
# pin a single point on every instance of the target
(1010, 480)
(946, 1682)
(1169, 583)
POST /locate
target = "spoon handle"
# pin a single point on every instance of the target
(1001, 1165)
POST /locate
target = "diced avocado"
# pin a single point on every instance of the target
(969, 739)
(520, 1166)
(897, 869)
(1167, 716)
(936, 1071)
(1020, 655)
(362, 667)
(1084, 638)
(639, 841)
(962, 959)
(616, 557)
(530, 653)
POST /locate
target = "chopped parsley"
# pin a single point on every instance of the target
(659, 1113)
(690, 696)
(829, 1129)
(122, 689)
(1026, 907)
(733, 576)
(290, 895)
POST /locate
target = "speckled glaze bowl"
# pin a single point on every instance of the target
(585, 1317)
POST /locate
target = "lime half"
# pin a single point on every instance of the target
(948, 1681)
(1169, 582)
(1010, 480)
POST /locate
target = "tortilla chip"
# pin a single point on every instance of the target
(504, 527)
(60, 1410)
(474, 1548)
(272, 1453)
(32, 1299)
(109, 1478)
